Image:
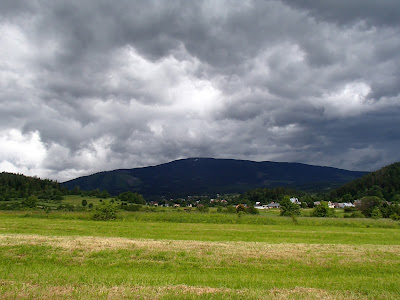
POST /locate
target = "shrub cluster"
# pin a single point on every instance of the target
(104, 212)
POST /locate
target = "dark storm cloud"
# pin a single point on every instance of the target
(384, 12)
(95, 85)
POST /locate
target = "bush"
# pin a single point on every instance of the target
(231, 209)
(376, 213)
(132, 207)
(130, 197)
(357, 214)
(252, 210)
(349, 209)
(66, 207)
(395, 217)
(105, 212)
(368, 204)
(289, 209)
(202, 208)
(323, 210)
(30, 202)
(240, 207)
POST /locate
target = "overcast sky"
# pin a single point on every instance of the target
(87, 86)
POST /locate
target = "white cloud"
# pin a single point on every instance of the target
(351, 100)
(22, 153)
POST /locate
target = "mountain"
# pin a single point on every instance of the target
(199, 176)
(384, 183)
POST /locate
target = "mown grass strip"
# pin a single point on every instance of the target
(179, 216)
(131, 228)
(101, 266)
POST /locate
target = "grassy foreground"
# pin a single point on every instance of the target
(146, 256)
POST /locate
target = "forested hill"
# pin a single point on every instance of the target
(20, 186)
(199, 176)
(384, 183)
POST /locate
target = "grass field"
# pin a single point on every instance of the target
(180, 255)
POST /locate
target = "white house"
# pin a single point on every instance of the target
(261, 206)
(345, 204)
(295, 201)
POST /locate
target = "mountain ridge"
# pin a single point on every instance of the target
(200, 175)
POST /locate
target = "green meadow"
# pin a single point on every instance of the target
(176, 254)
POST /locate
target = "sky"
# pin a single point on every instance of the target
(89, 86)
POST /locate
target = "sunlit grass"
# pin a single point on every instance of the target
(77, 200)
(147, 255)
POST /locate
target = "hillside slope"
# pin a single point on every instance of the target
(384, 183)
(196, 176)
(14, 186)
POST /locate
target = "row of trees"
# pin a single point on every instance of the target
(370, 207)
(18, 186)
(102, 194)
(14, 186)
(266, 195)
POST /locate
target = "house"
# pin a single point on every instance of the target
(259, 206)
(330, 204)
(295, 201)
(273, 205)
(343, 205)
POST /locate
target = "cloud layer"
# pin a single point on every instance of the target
(87, 86)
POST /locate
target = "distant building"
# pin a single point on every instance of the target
(343, 205)
(330, 204)
(261, 206)
(274, 205)
(295, 201)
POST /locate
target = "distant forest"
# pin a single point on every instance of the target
(13, 186)
(18, 186)
(384, 183)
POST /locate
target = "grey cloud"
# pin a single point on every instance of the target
(118, 85)
(384, 12)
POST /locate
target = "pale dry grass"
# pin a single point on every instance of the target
(213, 253)
(312, 293)
(181, 291)
(236, 251)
